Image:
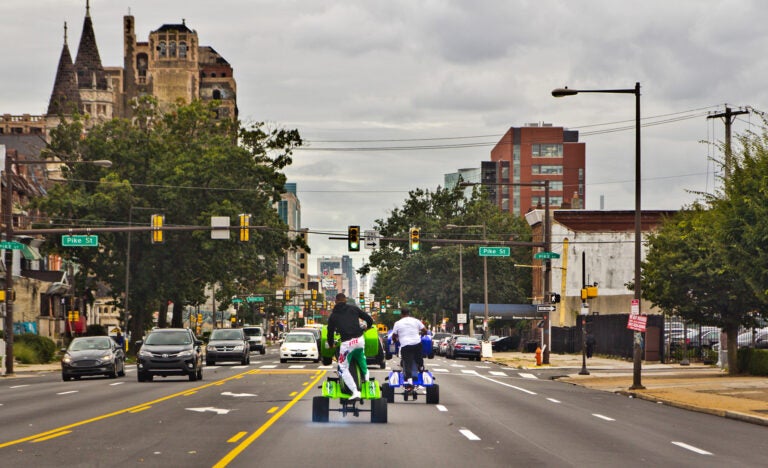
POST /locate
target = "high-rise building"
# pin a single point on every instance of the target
(535, 153)
(294, 263)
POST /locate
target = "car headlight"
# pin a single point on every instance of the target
(187, 353)
(284, 349)
(144, 353)
(66, 359)
(106, 358)
(211, 348)
(239, 347)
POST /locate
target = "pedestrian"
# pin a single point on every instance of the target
(119, 340)
(590, 344)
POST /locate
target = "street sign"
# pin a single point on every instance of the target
(461, 318)
(9, 245)
(637, 322)
(635, 308)
(254, 299)
(493, 251)
(236, 300)
(80, 241)
(545, 308)
(371, 239)
(546, 255)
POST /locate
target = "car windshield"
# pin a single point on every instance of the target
(299, 338)
(467, 341)
(169, 338)
(90, 343)
(252, 331)
(227, 335)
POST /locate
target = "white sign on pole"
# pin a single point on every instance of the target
(635, 307)
(461, 318)
(584, 309)
(371, 241)
(220, 222)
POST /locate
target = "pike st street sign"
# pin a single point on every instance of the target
(493, 251)
(80, 241)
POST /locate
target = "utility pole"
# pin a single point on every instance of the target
(728, 117)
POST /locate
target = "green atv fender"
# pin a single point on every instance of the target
(371, 336)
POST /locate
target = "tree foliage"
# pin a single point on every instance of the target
(428, 280)
(707, 263)
(189, 166)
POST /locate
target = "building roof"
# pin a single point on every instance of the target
(90, 72)
(65, 98)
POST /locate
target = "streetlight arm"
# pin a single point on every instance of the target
(563, 92)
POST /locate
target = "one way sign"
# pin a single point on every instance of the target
(371, 241)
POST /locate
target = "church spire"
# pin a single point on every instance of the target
(90, 72)
(65, 99)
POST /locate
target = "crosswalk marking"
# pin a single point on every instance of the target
(500, 374)
(469, 434)
(526, 375)
(268, 366)
(441, 370)
(469, 371)
(297, 366)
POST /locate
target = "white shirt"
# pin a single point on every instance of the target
(407, 329)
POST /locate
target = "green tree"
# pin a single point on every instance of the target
(189, 166)
(429, 278)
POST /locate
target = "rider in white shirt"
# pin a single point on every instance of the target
(408, 332)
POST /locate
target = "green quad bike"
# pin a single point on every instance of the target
(334, 388)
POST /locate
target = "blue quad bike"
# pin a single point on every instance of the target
(334, 389)
(425, 379)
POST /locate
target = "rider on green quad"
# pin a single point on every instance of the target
(344, 319)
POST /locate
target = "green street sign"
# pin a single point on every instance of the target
(236, 300)
(396, 312)
(255, 299)
(546, 255)
(80, 241)
(493, 251)
(9, 245)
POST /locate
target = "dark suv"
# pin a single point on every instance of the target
(227, 344)
(169, 351)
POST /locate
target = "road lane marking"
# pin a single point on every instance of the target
(482, 367)
(325, 367)
(526, 375)
(268, 366)
(247, 442)
(500, 374)
(441, 370)
(132, 409)
(273, 409)
(68, 392)
(116, 383)
(507, 385)
(293, 394)
(553, 400)
(297, 366)
(458, 365)
(237, 437)
(441, 408)
(19, 386)
(469, 434)
(469, 371)
(605, 418)
(692, 448)
(58, 434)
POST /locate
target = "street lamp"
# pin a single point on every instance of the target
(10, 159)
(562, 92)
(461, 274)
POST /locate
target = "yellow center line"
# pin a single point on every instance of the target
(132, 409)
(58, 434)
(273, 409)
(292, 394)
(244, 444)
(237, 437)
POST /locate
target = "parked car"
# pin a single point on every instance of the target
(169, 351)
(442, 345)
(299, 345)
(465, 346)
(227, 344)
(315, 331)
(92, 355)
(506, 343)
(256, 338)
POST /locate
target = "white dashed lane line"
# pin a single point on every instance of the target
(526, 375)
(553, 400)
(605, 418)
(692, 448)
(468, 434)
(441, 408)
(497, 373)
(67, 393)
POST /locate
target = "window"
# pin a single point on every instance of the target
(172, 49)
(544, 169)
(553, 201)
(161, 49)
(182, 50)
(216, 94)
(553, 185)
(547, 150)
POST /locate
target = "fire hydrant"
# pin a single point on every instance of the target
(538, 355)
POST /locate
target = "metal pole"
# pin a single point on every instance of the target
(127, 272)
(8, 218)
(461, 282)
(638, 337)
(485, 290)
(547, 275)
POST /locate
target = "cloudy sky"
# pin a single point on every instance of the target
(368, 82)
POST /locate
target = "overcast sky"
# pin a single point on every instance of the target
(401, 71)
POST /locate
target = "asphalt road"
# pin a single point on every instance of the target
(244, 416)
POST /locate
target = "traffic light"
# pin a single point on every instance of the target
(157, 228)
(314, 294)
(353, 238)
(245, 230)
(362, 298)
(287, 295)
(415, 241)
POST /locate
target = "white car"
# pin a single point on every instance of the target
(299, 345)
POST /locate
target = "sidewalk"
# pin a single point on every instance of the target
(696, 387)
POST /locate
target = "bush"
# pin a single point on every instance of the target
(41, 347)
(753, 361)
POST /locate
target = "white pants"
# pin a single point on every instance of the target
(344, 349)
